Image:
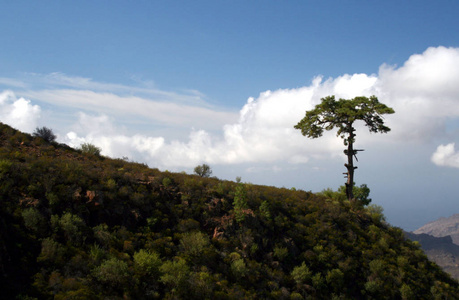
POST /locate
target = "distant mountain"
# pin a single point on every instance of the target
(440, 241)
(441, 250)
(442, 227)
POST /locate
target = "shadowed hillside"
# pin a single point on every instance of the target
(76, 225)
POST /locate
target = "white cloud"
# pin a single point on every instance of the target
(18, 112)
(161, 112)
(57, 81)
(10, 82)
(432, 74)
(263, 133)
(446, 156)
(423, 93)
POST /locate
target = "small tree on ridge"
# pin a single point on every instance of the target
(90, 149)
(45, 133)
(203, 170)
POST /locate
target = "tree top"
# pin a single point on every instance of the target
(342, 113)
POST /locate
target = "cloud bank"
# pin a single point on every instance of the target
(423, 92)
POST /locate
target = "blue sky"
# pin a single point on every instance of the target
(178, 83)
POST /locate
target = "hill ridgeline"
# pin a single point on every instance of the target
(76, 225)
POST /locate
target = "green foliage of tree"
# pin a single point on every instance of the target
(5, 166)
(147, 263)
(34, 220)
(113, 272)
(240, 202)
(90, 149)
(335, 280)
(52, 252)
(301, 274)
(265, 210)
(166, 181)
(45, 133)
(376, 213)
(341, 114)
(194, 245)
(239, 268)
(280, 252)
(175, 275)
(73, 227)
(203, 170)
(361, 194)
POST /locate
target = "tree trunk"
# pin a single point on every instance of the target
(350, 163)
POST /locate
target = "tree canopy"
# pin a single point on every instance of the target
(203, 170)
(45, 133)
(90, 149)
(342, 114)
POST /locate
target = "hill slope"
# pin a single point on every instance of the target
(79, 226)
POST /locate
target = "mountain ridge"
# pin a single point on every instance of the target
(442, 227)
(441, 250)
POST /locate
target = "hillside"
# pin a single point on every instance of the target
(80, 226)
(442, 227)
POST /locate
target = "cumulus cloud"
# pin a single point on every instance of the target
(263, 133)
(423, 92)
(18, 112)
(446, 156)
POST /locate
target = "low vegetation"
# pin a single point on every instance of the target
(77, 226)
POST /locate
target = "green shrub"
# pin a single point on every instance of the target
(45, 133)
(34, 220)
(193, 244)
(113, 272)
(175, 273)
(91, 149)
(147, 263)
(301, 274)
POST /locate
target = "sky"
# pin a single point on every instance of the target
(174, 84)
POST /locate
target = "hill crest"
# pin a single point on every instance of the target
(76, 225)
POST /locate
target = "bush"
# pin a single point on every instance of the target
(194, 244)
(147, 263)
(203, 170)
(113, 272)
(45, 133)
(175, 273)
(34, 220)
(301, 274)
(90, 149)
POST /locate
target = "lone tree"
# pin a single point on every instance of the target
(203, 170)
(45, 133)
(342, 114)
(90, 149)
